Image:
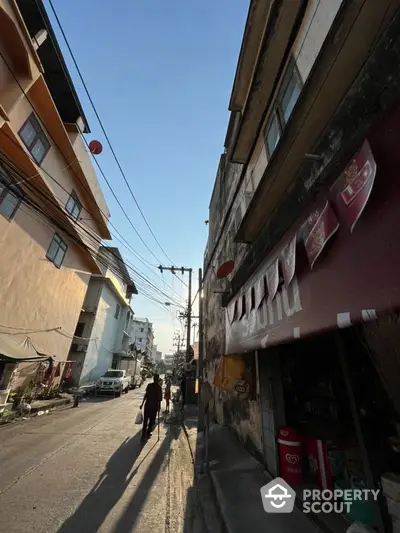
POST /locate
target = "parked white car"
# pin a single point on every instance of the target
(116, 381)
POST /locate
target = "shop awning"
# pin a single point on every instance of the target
(18, 352)
(343, 269)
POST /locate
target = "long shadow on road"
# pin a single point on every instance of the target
(118, 474)
(109, 488)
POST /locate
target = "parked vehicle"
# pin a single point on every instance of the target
(116, 381)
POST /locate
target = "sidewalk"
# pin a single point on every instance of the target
(236, 478)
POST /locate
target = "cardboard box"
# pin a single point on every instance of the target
(391, 486)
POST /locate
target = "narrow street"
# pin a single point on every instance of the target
(85, 470)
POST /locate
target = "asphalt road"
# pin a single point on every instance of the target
(84, 470)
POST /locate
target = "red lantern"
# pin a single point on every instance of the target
(95, 147)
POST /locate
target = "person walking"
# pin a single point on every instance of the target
(152, 403)
(167, 393)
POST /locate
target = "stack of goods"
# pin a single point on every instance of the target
(391, 491)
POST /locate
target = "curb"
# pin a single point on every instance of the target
(16, 418)
(205, 491)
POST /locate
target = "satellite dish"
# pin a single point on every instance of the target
(225, 269)
(95, 147)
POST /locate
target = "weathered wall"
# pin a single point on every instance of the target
(34, 294)
(243, 416)
(317, 21)
(103, 337)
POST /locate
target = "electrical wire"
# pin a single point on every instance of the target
(149, 290)
(103, 129)
(89, 231)
(84, 185)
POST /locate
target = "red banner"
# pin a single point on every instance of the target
(354, 187)
(288, 256)
(320, 226)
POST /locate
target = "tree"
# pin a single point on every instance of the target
(179, 362)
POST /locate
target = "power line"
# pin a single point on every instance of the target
(103, 129)
(84, 185)
(94, 251)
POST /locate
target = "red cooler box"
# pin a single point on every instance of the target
(290, 456)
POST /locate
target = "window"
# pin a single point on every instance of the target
(290, 92)
(117, 311)
(273, 133)
(74, 207)
(10, 196)
(34, 139)
(141, 339)
(57, 250)
(114, 374)
(286, 100)
(141, 330)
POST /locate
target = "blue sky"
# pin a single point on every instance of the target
(160, 74)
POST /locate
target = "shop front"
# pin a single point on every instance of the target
(318, 301)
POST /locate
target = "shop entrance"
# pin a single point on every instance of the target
(345, 434)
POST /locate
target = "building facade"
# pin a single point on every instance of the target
(143, 335)
(104, 333)
(52, 212)
(304, 187)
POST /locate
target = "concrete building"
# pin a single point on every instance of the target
(143, 335)
(103, 335)
(156, 355)
(52, 211)
(312, 109)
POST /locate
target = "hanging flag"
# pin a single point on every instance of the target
(288, 256)
(355, 186)
(260, 291)
(272, 276)
(320, 226)
(239, 307)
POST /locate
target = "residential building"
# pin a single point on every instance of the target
(52, 212)
(103, 335)
(305, 201)
(158, 356)
(143, 335)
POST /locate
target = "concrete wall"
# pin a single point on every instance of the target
(317, 21)
(103, 338)
(316, 24)
(34, 294)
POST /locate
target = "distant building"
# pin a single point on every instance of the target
(158, 356)
(143, 335)
(169, 359)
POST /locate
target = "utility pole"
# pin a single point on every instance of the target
(189, 317)
(188, 314)
(201, 406)
(190, 383)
